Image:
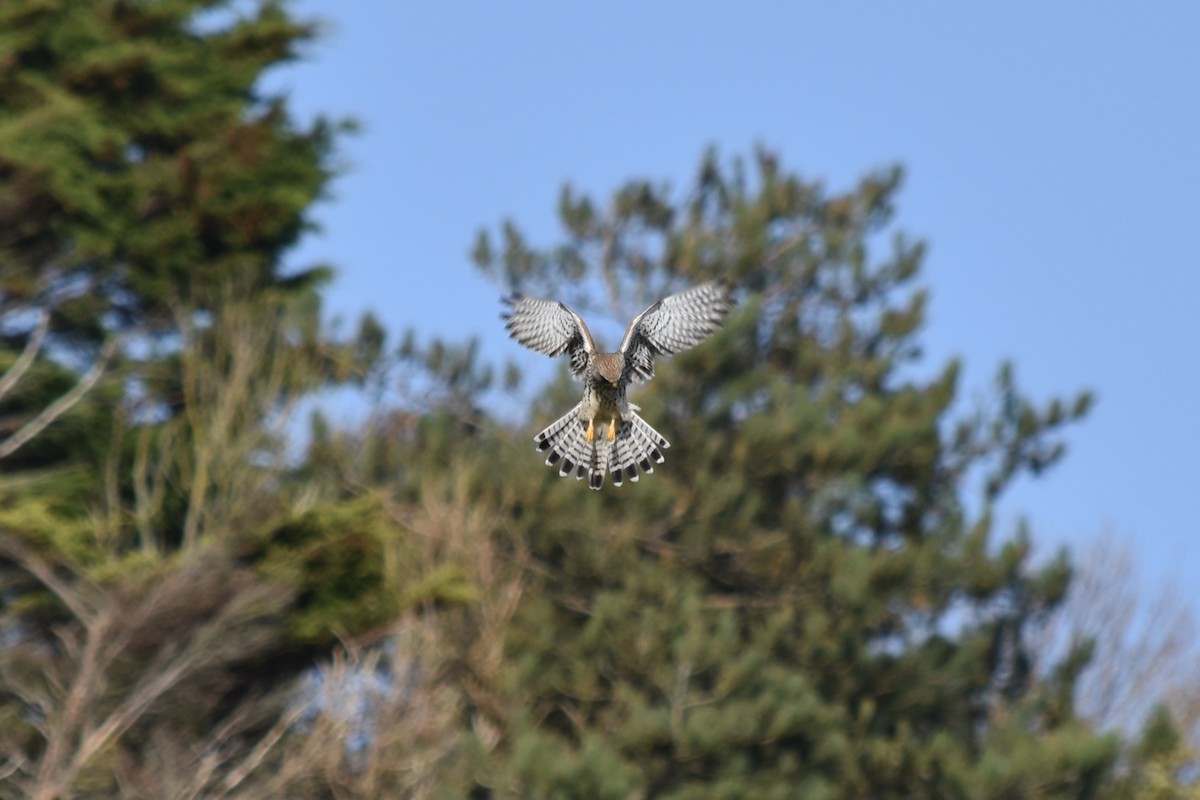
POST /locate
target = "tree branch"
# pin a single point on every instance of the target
(83, 608)
(23, 362)
(59, 406)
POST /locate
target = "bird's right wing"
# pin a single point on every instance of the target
(550, 328)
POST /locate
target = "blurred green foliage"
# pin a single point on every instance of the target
(808, 599)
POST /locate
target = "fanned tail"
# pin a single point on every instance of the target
(637, 448)
(564, 444)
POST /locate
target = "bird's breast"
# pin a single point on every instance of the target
(606, 397)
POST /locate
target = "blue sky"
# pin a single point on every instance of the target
(1053, 165)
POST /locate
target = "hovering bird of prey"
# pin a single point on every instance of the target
(603, 433)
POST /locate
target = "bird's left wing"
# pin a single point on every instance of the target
(550, 328)
(672, 324)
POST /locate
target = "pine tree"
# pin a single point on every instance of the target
(800, 602)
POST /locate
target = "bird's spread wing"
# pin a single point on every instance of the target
(551, 328)
(672, 324)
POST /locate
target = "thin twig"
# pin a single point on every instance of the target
(61, 405)
(258, 755)
(36, 566)
(23, 362)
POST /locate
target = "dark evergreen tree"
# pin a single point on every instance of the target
(143, 175)
(140, 165)
(156, 599)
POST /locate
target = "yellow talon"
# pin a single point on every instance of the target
(591, 431)
(612, 431)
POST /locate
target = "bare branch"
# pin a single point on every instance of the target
(70, 596)
(255, 757)
(1145, 650)
(61, 405)
(23, 362)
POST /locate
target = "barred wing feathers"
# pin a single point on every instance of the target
(550, 328)
(673, 324)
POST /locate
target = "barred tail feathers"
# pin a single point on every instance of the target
(563, 441)
(622, 455)
(602, 450)
(567, 446)
(637, 448)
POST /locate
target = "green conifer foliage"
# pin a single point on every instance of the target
(808, 599)
(800, 602)
(143, 178)
(152, 606)
(139, 161)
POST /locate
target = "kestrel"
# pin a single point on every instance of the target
(604, 433)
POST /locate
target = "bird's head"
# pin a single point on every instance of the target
(609, 367)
